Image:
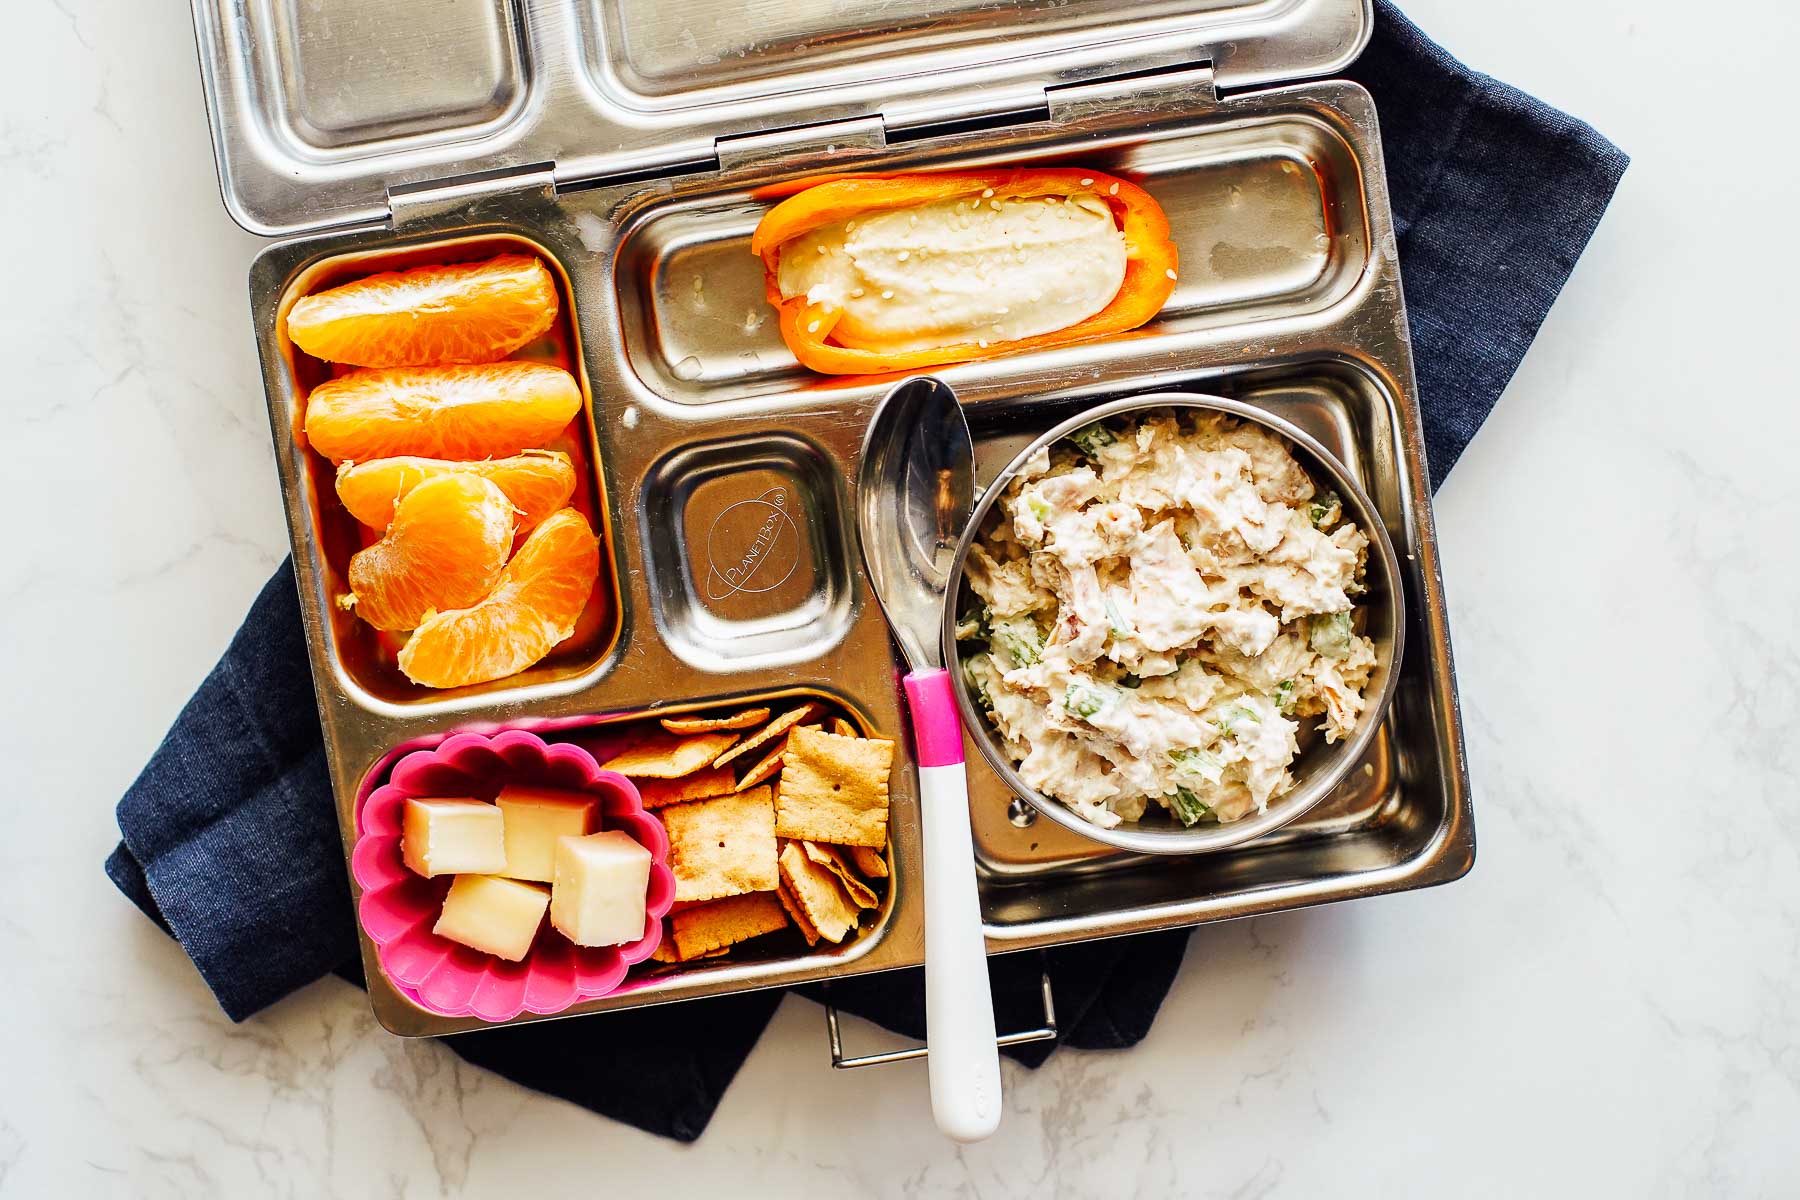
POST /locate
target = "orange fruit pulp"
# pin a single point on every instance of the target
(446, 549)
(539, 598)
(465, 412)
(461, 313)
(537, 482)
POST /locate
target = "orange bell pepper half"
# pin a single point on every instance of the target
(1151, 260)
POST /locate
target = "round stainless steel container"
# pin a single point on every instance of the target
(1319, 767)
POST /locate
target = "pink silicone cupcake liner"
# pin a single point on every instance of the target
(398, 908)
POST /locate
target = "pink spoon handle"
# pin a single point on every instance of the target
(964, 1063)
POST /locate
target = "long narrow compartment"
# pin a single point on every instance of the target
(1267, 213)
(367, 657)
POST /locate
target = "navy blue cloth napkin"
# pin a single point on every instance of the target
(230, 841)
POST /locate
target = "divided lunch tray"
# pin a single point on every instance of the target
(627, 143)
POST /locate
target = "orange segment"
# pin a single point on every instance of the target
(463, 313)
(541, 593)
(537, 483)
(446, 549)
(441, 412)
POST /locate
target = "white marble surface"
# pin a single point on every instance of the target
(1609, 1005)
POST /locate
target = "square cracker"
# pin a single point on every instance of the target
(724, 846)
(767, 733)
(817, 894)
(834, 789)
(712, 927)
(710, 781)
(668, 756)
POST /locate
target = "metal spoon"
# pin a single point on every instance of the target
(915, 490)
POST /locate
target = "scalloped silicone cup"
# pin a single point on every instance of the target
(398, 908)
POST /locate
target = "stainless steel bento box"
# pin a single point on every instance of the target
(631, 144)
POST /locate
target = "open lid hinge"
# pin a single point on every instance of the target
(412, 202)
(1180, 86)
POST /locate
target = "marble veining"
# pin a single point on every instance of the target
(1608, 1006)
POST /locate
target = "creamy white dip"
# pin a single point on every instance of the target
(975, 270)
(1162, 602)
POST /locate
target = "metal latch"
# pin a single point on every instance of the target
(416, 201)
(794, 146)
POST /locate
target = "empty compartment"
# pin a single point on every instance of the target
(367, 658)
(1267, 213)
(353, 73)
(746, 548)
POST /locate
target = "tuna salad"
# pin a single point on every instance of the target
(1157, 604)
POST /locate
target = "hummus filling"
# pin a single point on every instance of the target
(980, 270)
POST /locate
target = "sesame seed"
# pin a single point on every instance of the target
(994, 204)
(905, 254)
(982, 343)
(1169, 273)
(813, 328)
(821, 248)
(1113, 190)
(887, 295)
(856, 293)
(1087, 183)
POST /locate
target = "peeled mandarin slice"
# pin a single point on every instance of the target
(446, 549)
(540, 596)
(441, 412)
(463, 313)
(537, 483)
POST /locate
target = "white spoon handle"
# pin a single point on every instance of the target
(964, 1063)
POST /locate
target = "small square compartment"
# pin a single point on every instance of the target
(747, 552)
(367, 658)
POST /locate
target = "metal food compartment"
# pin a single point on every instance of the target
(364, 658)
(725, 473)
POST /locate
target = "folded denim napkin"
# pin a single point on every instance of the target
(230, 839)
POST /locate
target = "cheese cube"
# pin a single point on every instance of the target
(500, 916)
(597, 898)
(535, 817)
(452, 837)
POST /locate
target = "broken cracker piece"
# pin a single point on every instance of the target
(843, 728)
(869, 861)
(710, 781)
(770, 764)
(834, 789)
(695, 724)
(722, 846)
(767, 733)
(713, 927)
(666, 756)
(817, 893)
(793, 910)
(837, 862)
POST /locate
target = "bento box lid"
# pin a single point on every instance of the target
(324, 111)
